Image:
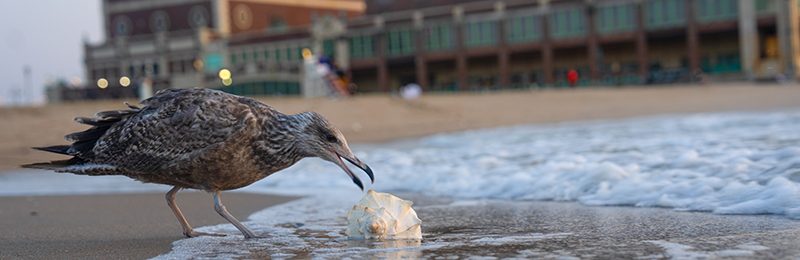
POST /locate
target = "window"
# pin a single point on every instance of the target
(524, 29)
(567, 23)
(439, 37)
(400, 42)
(662, 13)
(328, 48)
(159, 21)
(122, 26)
(614, 18)
(481, 33)
(361, 46)
(715, 10)
(198, 16)
(765, 6)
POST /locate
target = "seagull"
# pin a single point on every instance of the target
(200, 139)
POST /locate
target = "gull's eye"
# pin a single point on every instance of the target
(330, 138)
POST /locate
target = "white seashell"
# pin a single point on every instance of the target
(383, 216)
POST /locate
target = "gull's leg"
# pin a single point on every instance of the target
(224, 213)
(187, 230)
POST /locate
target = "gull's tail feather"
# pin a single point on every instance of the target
(84, 142)
(54, 165)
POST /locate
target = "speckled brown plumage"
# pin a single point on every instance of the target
(200, 139)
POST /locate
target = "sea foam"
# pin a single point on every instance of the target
(725, 163)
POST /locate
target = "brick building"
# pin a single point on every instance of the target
(446, 45)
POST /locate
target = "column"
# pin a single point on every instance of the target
(547, 51)
(592, 43)
(794, 27)
(692, 37)
(503, 55)
(748, 37)
(502, 45)
(784, 32)
(420, 61)
(641, 43)
(383, 71)
(461, 58)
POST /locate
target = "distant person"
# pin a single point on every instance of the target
(411, 91)
(572, 76)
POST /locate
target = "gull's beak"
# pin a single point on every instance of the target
(358, 163)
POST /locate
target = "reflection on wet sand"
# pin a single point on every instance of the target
(398, 248)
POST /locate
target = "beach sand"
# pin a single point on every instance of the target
(141, 225)
(119, 226)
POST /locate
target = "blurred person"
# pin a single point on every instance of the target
(572, 76)
(411, 91)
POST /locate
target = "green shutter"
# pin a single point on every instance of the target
(445, 30)
(574, 23)
(367, 43)
(434, 40)
(486, 32)
(405, 38)
(327, 46)
(355, 47)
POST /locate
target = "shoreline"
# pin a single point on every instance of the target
(140, 225)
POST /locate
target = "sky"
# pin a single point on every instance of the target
(47, 36)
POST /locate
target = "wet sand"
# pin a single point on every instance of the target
(141, 225)
(119, 226)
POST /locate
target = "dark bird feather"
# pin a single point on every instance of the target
(200, 139)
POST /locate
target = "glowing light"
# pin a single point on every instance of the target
(306, 54)
(76, 81)
(227, 82)
(125, 81)
(198, 64)
(102, 83)
(224, 74)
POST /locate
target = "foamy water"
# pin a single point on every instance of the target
(726, 163)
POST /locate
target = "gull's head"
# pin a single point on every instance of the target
(320, 138)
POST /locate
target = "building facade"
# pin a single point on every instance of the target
(185, 43)
(446, 45)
